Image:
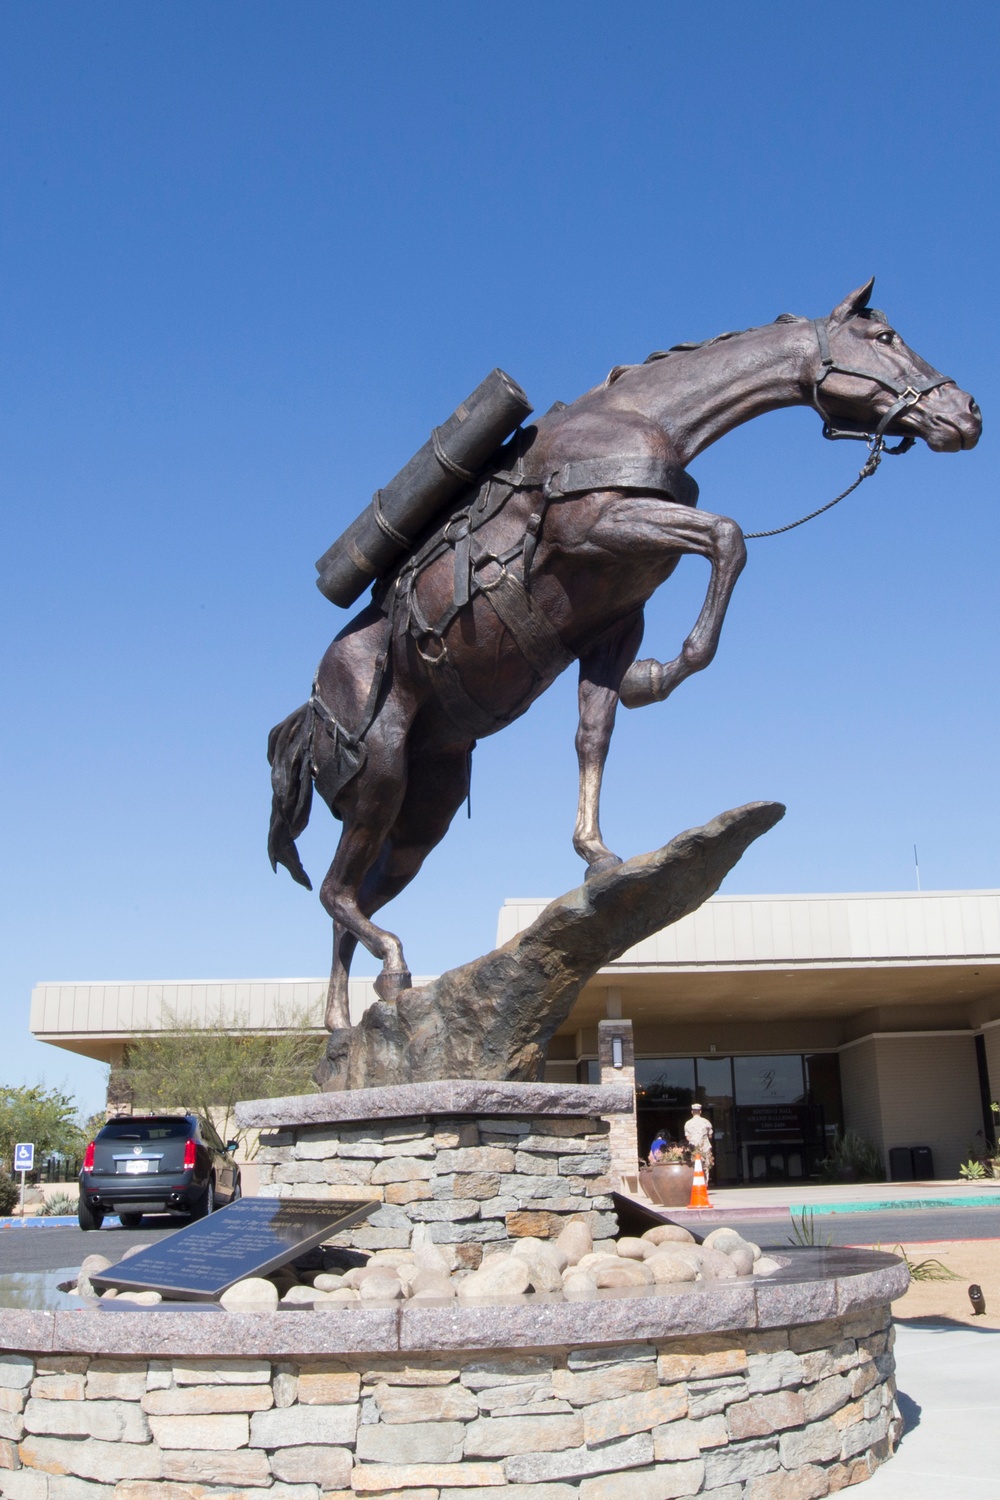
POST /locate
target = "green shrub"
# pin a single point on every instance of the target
(60, 1203)
(9, 1193)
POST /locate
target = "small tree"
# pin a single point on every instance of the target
(206, 1069)
(47, 1117)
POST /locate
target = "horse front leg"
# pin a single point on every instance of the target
(601, 672)
(720, 540)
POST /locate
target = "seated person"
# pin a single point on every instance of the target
(658, 1146)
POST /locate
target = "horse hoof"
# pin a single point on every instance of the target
(601, 866)
(389, 986)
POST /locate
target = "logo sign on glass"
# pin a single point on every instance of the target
(247, 1238)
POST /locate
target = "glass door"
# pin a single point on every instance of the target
(715, 1094)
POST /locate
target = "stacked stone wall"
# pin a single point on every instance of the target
(472, 1182)
(787, 1414)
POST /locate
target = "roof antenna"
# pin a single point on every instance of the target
(916, 865)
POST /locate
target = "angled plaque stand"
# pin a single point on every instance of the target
(247, 1238)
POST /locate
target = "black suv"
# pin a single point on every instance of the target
(155, 1164)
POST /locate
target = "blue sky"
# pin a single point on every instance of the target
(250, 253)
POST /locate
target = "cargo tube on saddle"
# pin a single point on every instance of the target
(448, 463)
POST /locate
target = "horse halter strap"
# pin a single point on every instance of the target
(906, 395)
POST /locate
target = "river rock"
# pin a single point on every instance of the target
(298, 1296)
(499, 1276)
(145, 1299)
(577, 1283)
(575, 1242)
(252, 1294)
(688, 1255)
(597, 1258)
(92, 1265)
(430, 1287)
(765, 1265)
(667, 1268)
(547, 1248)
(742, 1258)
(623, 1273)
(715, 1266)
(426, 1255)
(380, 1286)
(633, 1249)
(663, 1234)
(545, 1273)
(723, 1239)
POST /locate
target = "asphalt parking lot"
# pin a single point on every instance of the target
(49, 1249)
(889, 1227)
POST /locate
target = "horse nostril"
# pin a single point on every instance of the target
(974, 408)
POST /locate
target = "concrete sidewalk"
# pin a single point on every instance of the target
(736, 1204)
(858, 1197)
(949, 1396)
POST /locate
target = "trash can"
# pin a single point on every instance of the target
(900, 1164)
(923, 1163)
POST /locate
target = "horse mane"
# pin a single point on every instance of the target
(620, 370)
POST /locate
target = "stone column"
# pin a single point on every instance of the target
(617, 1064)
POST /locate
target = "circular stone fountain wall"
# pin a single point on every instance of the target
(777, 1388)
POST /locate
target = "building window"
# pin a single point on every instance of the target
(773, 1115)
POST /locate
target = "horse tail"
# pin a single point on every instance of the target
(289, 753)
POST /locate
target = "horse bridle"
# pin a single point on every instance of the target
(907, 397)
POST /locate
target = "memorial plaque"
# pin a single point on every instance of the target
(247, 1238)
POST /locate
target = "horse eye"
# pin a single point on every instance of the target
(885, 338)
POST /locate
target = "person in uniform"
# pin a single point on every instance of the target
(698, 1133)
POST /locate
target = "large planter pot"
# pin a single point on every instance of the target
(671, 1183)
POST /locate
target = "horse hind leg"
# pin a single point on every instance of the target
(369, 810)
(601, 672)
(437, 786)
(358, 850)
(338, 1009)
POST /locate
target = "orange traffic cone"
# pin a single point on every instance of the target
(699, 1187)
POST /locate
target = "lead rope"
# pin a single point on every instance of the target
(867, 470)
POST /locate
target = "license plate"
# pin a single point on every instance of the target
(139, 1165)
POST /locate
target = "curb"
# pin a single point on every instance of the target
(42, 1221)
(778, 1210)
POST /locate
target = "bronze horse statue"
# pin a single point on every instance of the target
(550, 556)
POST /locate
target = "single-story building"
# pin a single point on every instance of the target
(791, 1018)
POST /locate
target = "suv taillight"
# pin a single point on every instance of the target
(189, 1155)
(88, 1158)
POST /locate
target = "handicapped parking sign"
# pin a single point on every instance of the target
(24, 1156)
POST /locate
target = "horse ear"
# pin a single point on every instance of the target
(853, 304)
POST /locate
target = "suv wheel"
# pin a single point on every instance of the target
(88, 1218)
(130, 1221)
(206, 1203)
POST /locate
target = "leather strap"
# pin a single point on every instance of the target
(907, 395)
(536, 639)
(616, 472)
(465, 713)
(625, 473)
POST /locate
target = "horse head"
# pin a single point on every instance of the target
(868, 381)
